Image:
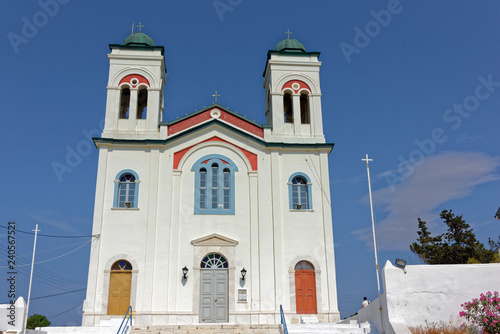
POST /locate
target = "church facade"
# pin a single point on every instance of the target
(212, 217)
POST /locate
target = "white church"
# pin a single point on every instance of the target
(212, 217)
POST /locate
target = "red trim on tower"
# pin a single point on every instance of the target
(205, 116)
(140, 80)
(252, 157)
(301, 84)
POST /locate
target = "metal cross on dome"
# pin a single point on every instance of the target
(288, 32)
(215, 95)
(140, 26)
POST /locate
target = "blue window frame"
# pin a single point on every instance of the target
(299, 192)
(126, 189)
(214, 185)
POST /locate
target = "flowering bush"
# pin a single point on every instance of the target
(483, 312)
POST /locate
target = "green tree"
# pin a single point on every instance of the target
(37, 320)
(456, 246)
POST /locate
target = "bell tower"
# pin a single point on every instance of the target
(293, 95)
(134, 106)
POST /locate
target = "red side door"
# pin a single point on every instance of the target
(305, 292)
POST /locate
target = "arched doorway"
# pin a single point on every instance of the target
(120, 282)
(305, 288)
(214, 306)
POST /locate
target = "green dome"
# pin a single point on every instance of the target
(291, 45)
(139, 38)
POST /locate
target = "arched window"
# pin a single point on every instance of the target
(203, 188)
(214, 261)
(126, 189)
(299, 192)
(214, 185)
(304, 265)
(304, 109)
(142, 103)
(124, 102)
(121, 265)
(288, 107)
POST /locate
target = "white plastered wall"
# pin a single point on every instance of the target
(428, 294)
(157, 236)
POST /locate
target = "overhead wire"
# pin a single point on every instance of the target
(54, 316)
(52, 236)
(54, 258)
(58, 294)
(45, 251)
(47, 277)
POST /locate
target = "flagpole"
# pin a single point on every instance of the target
(36, 230)
(377, 267)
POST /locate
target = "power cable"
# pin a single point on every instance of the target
(47, 277)
(45, 251)
(64, 311)
(54, 236)
(58, 294)
(54, 258)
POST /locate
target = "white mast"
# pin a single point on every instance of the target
(377, 270)
(36, 230)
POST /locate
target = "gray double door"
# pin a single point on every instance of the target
(214, 295)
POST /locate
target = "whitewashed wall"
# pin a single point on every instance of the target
(15, 313)
(434, 293)
(428, 293)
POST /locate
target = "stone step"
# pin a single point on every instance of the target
(77, 330)
(111, 322)
(310, 320)
(351, 328)
(207, 329)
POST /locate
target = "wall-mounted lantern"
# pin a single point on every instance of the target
(401, 264)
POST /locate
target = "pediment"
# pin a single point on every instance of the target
(214, 240)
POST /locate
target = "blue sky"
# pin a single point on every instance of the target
(418, 91)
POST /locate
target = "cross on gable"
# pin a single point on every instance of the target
(215, 95)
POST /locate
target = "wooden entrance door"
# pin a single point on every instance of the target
(214, 289)
(120, 284)
(305, 288)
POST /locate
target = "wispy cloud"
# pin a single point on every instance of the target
(441, 178)
(463, 138)
(57, 220)
(350, 180)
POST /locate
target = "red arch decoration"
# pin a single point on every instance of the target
(252, 157)
(301, 84)
(140, 80)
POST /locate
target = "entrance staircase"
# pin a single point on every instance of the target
(305, 328)
(208, 329)
(106, 326)
(312, 326)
